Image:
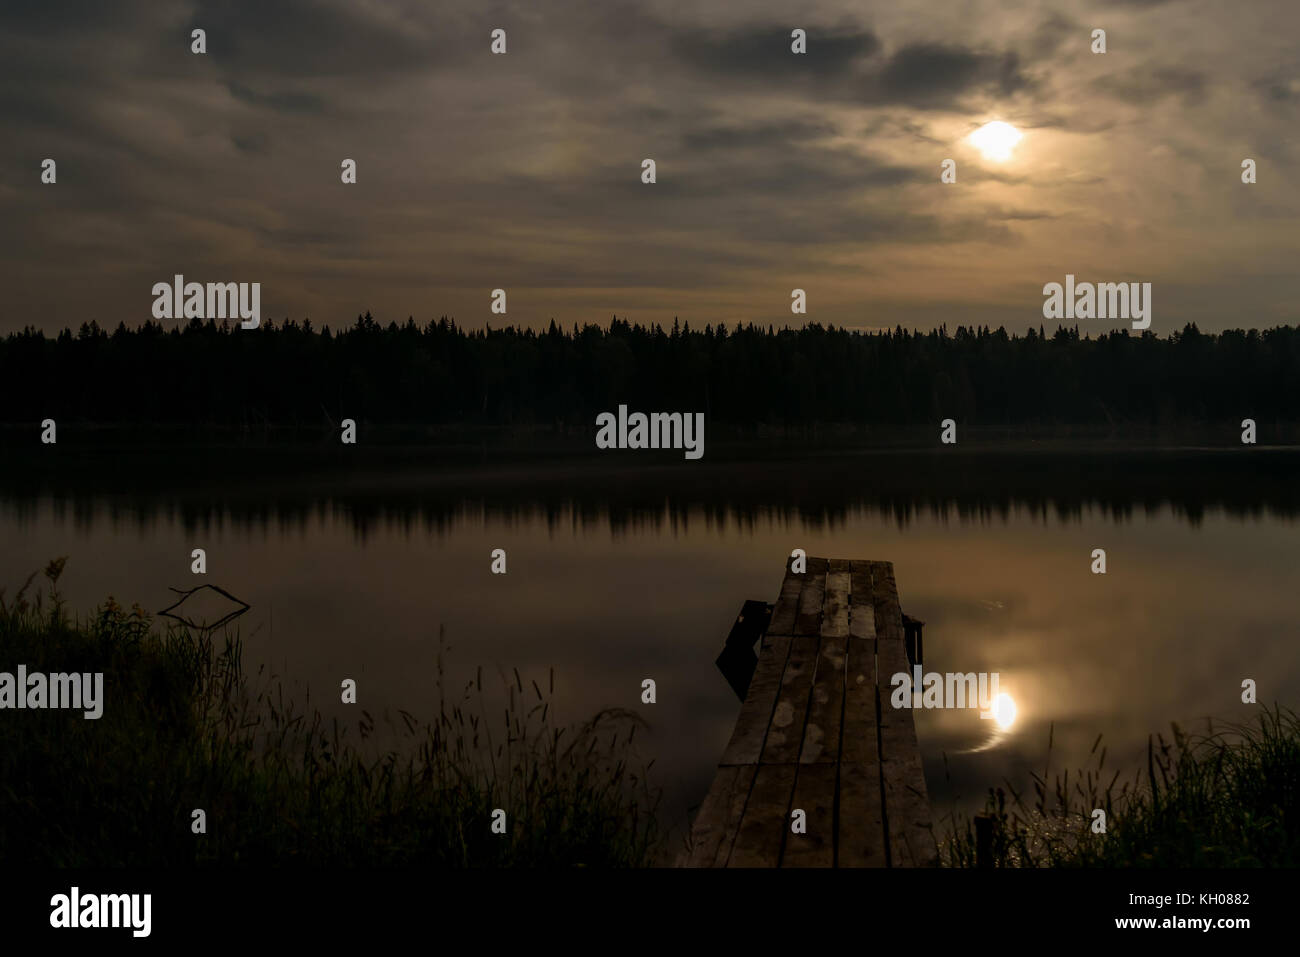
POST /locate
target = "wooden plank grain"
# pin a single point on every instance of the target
(718, 818)
(809, 619)
(787, 604)
(906, 804)
(859, 728)
(861, 832)
(750, 732)
(817, 732)
(862, 837)
(858, 741)
(762, 829)
(835, 601)
(814, 794)
(884, 594)
(821, 737)
(862, 614)
(785, 732)
(821, 733)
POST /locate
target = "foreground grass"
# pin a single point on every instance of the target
(1226, 798)
(182, 729)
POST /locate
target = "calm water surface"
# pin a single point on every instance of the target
(625, 574)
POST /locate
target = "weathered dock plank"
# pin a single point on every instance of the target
(859, 734)
(809, 619)
(906, 802)
(821, 733)
(861, 839)
(785, 733)
(766, 819)
(862, 613)
(861, 836)
(835, 602)
(747, 737)
(787, 604)
(884, 602)
(714, 829)
(816, 733)
(814, 794)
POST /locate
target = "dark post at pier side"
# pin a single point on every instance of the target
(912, 631)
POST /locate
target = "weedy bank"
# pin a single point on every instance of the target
(1228, 797)
(184, 728)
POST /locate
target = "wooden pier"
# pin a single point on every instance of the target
(816, 733)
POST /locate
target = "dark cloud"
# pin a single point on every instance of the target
(1278, 89)
(932, 74)
(849, 65)
(71, 17)
(696, 192)
(259, 143)
(309, 38)
(795, 175)
(764, 51)
(477, 170)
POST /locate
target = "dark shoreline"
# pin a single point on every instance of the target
(816, 483)
(722, 440)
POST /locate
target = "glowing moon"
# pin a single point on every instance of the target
(1004, 710)
(996, 140)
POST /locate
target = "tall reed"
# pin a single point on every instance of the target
(184, 728)
(1228, 797)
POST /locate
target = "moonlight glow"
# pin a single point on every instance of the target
(1004, 710)
(996, 140)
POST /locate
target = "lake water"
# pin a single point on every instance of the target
(626, 569)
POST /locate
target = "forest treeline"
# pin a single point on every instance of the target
(292, 374)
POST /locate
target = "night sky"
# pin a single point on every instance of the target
(775, 171)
